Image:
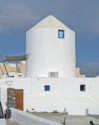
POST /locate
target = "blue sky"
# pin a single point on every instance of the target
(82, 16)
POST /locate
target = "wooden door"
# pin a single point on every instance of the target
(19, 99)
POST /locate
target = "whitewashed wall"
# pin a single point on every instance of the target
(25, 118)
(64, 93)
(47, 52)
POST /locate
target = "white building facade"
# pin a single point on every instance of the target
(78, 96)
(51, 84)
(51, 46)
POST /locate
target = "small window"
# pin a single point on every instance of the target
(53, 74)
(47, 87)
(61, 34)
(82, 87)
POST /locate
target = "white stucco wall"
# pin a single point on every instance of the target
(25, 118)
(48, 53)
(64, 93)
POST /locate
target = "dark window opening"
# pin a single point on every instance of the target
(82, 87)
(61, 34)
(47, 88)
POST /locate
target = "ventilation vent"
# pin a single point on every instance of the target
(53, 74)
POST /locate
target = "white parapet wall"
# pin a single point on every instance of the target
(25, 118)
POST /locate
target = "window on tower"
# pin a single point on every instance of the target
(61, 34)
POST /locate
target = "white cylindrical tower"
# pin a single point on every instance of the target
(51, 48)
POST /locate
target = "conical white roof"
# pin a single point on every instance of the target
(50, 22)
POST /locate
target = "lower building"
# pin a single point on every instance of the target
(76, 96)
